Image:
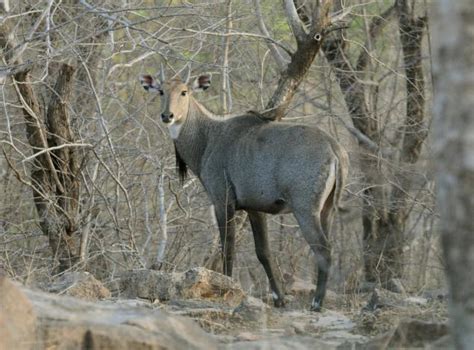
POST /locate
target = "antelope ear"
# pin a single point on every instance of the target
(202, 82)
(149, 83)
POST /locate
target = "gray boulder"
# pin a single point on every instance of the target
(38, 320)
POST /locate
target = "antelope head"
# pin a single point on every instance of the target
(175, 95)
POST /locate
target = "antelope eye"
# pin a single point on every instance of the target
(183, 93)
(161, 92)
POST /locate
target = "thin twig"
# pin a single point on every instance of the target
(86, 145)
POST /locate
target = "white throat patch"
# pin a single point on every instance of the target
(174, 130)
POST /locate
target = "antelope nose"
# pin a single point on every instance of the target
(166, 118)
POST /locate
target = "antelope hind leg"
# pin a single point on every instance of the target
(262, 248)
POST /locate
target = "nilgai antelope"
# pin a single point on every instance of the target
(247, 162)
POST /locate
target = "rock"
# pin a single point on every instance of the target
(196, 304)
(345, 340)
(200, 282)
(297, 328)
(214, 317)
(418, 333)
(333, 328)
(252, 310)
(393, 285)
(38, 320)
(146, 284)
(247, 336)
(299, 287)
(300, 293)
(382, 298)
(66, 322)
(332, 320)
(365, 287)
(282, 343)
(409, 333)
(444, 343)
(333, 323)
(416, 301)
(436, 295)
(194, 283)
(80, 285)
(17, 318)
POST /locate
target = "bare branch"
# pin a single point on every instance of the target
(226, 93)
(365, 141)
(307, 48)
(242, 34)
(343, 12)
(18, 51)
(163, 223)
(294, 20)
(130, 63)
(349, 82)
(375, 28)
(54, 148)
(280, 61)
(7, 71)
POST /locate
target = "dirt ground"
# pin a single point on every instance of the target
(232, 319)
(343, 322)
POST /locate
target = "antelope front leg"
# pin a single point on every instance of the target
(225, 220)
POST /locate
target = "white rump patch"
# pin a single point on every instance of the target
(329, 185)
(274, 295)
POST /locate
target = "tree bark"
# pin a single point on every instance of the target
(453, 63)
(53, 175)
(411, 35)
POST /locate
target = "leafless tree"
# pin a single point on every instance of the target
(386, 207)
(54, 177)
(314, 61)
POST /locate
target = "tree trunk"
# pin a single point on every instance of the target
(55, 185)
(384, 211)
(453, 42)
(54, 170)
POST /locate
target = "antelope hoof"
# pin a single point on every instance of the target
(316, 306)
(280, 302)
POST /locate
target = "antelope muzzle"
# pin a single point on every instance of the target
(167, 117)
